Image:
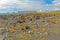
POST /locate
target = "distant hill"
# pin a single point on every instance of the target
(29, 12)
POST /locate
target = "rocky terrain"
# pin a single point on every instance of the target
(30, 26)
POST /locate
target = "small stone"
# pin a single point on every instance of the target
(27, 27)
(46, 33)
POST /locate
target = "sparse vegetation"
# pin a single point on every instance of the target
(31, 26)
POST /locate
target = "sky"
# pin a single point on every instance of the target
(29, 5)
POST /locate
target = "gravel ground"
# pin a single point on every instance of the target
(30, 27)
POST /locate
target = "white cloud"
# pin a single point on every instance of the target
(29, 5)
(22, 4)
(56, 5)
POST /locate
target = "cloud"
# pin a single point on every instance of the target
(56, 5)
(24, 5)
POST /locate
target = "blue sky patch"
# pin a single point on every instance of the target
(48, 1)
